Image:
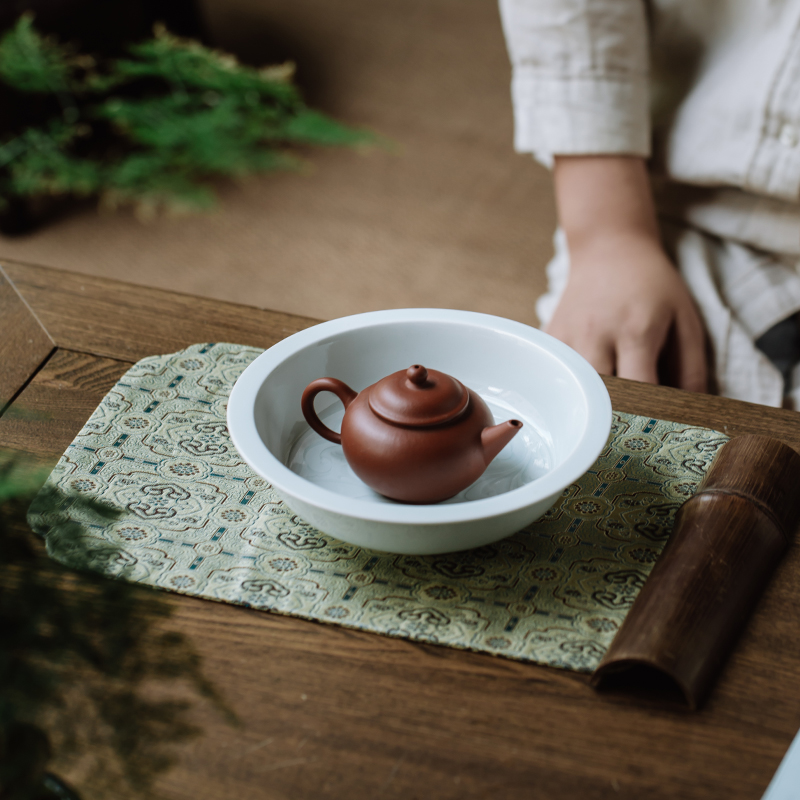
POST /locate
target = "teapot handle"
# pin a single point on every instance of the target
(340, 389)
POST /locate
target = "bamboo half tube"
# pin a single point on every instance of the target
(727, 541)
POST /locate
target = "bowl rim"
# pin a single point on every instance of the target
(245, 437)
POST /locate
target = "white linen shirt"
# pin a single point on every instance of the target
(709, 91)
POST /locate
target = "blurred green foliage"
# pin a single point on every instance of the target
(153, 128)
(32, 65)
(80, 656)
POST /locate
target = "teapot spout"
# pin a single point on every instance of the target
(494, 439)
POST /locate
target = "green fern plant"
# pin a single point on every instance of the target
(152, 129)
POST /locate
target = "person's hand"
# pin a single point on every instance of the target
(628, 312)
(626, 308)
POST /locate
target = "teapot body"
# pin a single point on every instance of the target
(415, 464)
(416, 436)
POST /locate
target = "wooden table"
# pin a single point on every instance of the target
(334, 713)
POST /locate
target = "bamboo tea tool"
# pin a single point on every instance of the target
(727, 541)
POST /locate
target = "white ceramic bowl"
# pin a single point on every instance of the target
(521, 372)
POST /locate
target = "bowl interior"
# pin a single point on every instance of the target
(526, 377)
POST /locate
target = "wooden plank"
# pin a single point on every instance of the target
(52, 408)
(365, 716)
(122, 321)
(24, 343)
(732, 417)
(336, 713)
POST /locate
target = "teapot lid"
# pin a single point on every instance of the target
(418, 397)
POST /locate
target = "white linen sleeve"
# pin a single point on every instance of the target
(580, 76)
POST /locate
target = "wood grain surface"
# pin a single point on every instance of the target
(67, 389)
(123, 321)
(333, 713)
(24, 343)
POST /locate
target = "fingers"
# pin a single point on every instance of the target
(691, 364)
(648, 331)
(640, 341)
(637, 360)
(682, 347)
(599, 354)
(633, 358)
(598, 351)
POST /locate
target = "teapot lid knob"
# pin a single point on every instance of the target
(418, 397)
(417, 374)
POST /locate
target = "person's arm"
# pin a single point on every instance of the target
(625, 304)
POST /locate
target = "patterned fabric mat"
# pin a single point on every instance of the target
(197, 521)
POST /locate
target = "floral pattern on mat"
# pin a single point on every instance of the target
(198, 521)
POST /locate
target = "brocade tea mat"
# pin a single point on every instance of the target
(196, 520)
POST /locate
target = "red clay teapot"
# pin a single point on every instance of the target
(417, 435)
